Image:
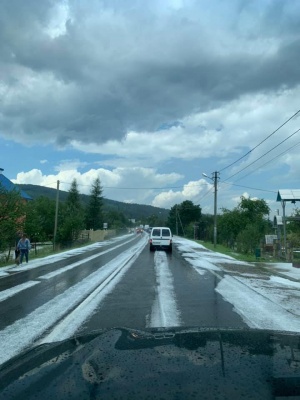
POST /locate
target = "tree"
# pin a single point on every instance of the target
(245, 225)
(248, 239)
(183, 217)
(116, 220)
(293, 229)
(253, 209)
(39, 222)
(12, 214)
(94, 216)
(71, 215)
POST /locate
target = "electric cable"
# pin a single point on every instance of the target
(269, 161)
(255, 147)
(249, 165)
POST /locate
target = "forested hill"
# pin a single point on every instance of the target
(136, 211)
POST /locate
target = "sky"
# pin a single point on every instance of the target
(149, 95)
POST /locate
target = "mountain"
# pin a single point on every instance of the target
(136, 211)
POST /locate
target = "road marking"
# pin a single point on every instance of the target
(25, 332)
(78, 263)
(5, 294)
(165, 312)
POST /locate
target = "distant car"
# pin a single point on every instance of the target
(160, 238)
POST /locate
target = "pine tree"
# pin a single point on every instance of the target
(71, 215)
(94, 215)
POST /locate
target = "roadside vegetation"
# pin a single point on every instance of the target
(38, 217)
(241, 231)
(238, 256)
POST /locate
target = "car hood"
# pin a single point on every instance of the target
(158, 363)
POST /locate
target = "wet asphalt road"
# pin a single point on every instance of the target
(130, 303)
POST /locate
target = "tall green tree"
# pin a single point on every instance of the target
(183, 216)
(230, 224)
(253, 209)
(39, 222)
(244, 226)
(71, 216)
(94, 214)
(12, 215)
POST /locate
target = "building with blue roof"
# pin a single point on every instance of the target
(9, 186)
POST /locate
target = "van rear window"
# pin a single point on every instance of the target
(165, 232)
(156, 232)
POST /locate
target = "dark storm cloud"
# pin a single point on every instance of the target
(117, 67)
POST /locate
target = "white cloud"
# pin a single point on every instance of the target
(69, 165)
(57, 24)
(194, 191)
(102, 78)
(137, 185)
(231, 129)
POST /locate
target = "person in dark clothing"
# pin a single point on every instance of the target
(17, 251)
(24, 247)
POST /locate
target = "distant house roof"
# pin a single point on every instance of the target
(292, 195)
(9, 186)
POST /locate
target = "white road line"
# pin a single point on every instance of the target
(68, 326)
(23, 333)
(78, 263)
(164, 311)
(36, 263)
(5, 294)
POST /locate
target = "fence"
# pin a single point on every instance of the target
(99, 235)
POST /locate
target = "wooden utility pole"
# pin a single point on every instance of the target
(56, 215)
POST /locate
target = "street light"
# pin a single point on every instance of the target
(215, 176)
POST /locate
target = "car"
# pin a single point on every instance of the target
(160, 238)
(167, 363)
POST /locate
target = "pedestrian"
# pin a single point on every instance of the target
(17, 251)
(24, 246)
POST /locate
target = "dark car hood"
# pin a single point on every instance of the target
(158, 363)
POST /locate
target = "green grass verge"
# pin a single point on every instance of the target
(238, 256)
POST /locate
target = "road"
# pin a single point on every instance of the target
(120, 283)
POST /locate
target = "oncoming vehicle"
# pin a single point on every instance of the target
(160, 238)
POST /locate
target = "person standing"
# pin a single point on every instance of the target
(17, 251)
(24, 247)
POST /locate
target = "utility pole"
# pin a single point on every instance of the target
(284, 229)
(56, 215)
(215, 177)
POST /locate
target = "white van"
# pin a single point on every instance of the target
(160, 238)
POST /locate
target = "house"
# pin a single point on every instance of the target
(9, 186)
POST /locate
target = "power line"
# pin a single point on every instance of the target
(247, 166)
(248, 187)
(271, 134)
(139, 188)
(268, 162)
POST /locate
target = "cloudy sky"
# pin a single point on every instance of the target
(148, 95)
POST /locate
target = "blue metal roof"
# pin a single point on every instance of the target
(9, 186)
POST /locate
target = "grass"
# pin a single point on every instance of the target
(238, 256)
